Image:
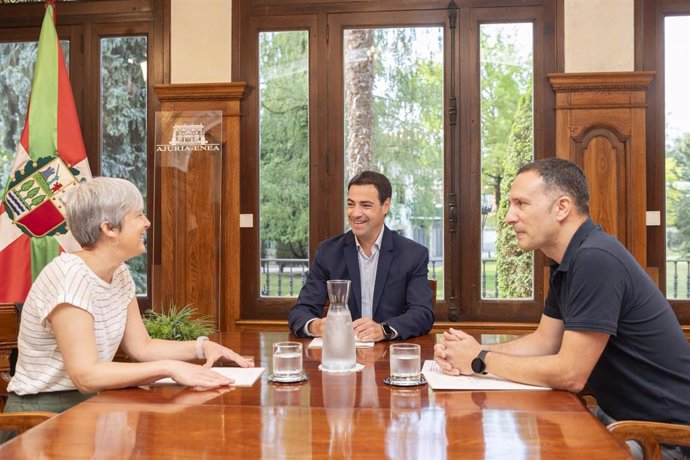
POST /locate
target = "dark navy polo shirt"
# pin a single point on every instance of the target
(644, 370)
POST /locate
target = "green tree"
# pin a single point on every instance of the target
(514, 267)
(678, 194)
(284, 142)
(505, 73)
(123, 111)
(408, 126)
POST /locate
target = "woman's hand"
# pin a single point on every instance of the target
(214, 351)
(193, 375)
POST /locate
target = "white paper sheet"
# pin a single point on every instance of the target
(243, 376)
(318, 343)
(437, 380)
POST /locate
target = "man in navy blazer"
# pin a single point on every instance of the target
(390, 296)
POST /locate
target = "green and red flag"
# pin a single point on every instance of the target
(50, 159)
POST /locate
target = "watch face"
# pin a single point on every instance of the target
(478, 366)
(387, 330)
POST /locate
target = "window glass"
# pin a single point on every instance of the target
(507, 142)
(393, 115)
(16, 70)
(123, 121)
(677, 112)
(284, 161)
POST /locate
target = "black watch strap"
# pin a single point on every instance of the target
(478, 363)
(388, 331)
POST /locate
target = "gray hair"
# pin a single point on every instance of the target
(101, 199)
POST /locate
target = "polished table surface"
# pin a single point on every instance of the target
(329, 416)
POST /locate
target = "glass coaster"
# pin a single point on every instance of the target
(300, 378)
(420, 382)
(358, 367)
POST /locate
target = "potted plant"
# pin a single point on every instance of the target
(177, 324)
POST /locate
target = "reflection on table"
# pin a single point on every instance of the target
(330, 415)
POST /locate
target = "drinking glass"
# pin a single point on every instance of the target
(405, 363)
(287, 360)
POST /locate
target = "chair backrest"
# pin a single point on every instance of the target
(9, 329)
(433, 283)
(14, 352)
(22, 421)
(9, 326)
(651, 434)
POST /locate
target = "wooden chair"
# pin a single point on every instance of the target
(651, 434)
(433, 283)
(22, 421)
(9, 329)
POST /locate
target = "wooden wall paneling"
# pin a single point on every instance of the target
(603, 157)
(200, 264)
(600, 125)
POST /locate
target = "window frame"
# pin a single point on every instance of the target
(461, 142)
(649, 55)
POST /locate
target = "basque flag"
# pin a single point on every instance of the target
(50, 159)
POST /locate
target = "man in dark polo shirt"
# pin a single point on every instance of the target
(605, 322)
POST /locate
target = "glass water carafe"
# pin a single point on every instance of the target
(339, 351)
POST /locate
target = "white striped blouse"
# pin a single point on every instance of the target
(67, 279)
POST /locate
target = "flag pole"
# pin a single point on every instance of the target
(52, 3)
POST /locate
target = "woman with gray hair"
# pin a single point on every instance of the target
(83, 306)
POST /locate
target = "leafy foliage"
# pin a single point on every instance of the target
(284, 141)
(407, 135)
(678, 195)
(123, 111)
(505, 74)
(177, 324)
(408, 123)
(513, 266)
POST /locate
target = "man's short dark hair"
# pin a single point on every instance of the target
(564, 176)
(378, 180)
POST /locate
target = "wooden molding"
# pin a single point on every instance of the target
(233, 91)
(601, 81)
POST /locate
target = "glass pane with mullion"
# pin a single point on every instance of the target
(393, 124)
(16, 71)
(284, 162)
(123, 122)
(677, 135)
(507, 142)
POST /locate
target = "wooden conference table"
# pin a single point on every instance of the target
(337, 416)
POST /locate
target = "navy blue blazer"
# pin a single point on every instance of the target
(402, 295)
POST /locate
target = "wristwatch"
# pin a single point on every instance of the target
(478, 364)
(388, 331)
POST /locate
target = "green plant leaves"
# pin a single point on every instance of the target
(177, 324)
